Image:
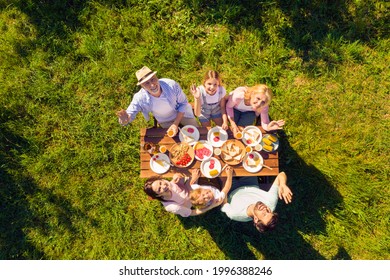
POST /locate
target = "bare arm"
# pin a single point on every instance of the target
(197, 99)
(225, 123)
(284, 191)
(195, 174)
(228, 183)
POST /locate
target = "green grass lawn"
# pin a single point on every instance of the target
(69, 173)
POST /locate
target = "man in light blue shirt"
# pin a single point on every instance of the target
(164, 98)
(248, 202)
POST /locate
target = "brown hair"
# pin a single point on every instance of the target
(149, 190)
(211, 74)
(268, 227)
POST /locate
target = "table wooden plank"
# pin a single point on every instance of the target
(158, 136)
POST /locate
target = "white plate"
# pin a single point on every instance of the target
(206, 145)
(248, 135)
(191, 136)
(253, 169)
(205, 167)
(157, 168)
(275, 145)
(212, 137)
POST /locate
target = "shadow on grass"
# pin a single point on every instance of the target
(306, 26)
(15, 214)
(19, 214)
(313, 198)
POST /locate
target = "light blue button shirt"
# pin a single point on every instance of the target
(171, 90)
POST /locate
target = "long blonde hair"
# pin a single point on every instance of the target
(194, 198)
(260, 88)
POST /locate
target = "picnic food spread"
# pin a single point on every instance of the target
(216, 148)
(181, 154)
(189, 134)
(202, 151)
(232, 152)
(211, 167)
(253, 160)
(251, 135)
(270, 143)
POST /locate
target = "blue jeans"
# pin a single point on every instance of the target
(244, 118)
(238, 182)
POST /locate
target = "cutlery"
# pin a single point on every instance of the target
(266, 166)
(223, 168)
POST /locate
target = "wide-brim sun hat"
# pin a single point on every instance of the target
(144, 74)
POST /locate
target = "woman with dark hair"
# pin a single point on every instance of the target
(174, 194)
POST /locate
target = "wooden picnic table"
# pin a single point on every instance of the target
(159, 136)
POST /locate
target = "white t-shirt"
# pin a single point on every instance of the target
(162, 109)
(240, 199)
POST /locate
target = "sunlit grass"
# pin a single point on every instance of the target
(70, 185)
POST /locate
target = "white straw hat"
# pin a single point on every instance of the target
(144, 74)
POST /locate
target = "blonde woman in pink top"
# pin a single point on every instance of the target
(243, 100)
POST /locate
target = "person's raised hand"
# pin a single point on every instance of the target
(273, 125)
(285, 193)
(195, 91)
(229, 171)
(176, 177)
(195, 173)
(123, 117)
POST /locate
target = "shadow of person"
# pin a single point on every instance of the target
(342, 254)
(15, 214)
(313, 197)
